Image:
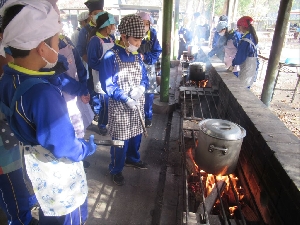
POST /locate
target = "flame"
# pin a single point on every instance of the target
(232, 209)
(190, 154)
(203, 83)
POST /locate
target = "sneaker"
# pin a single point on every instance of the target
(139, 165)
(118, 179)
(96, 118)
(148, 123)
(102, 131)
(33, 221)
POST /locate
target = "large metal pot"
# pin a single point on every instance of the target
(219, 146)
(197, 71)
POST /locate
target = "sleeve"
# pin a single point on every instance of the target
(82, 42)
(109, 77)
(54, 130)
(72, 86)
(215, 39)
(242, 53)
(151, 57)
(145, 79)
(218, 47)
(94, 53)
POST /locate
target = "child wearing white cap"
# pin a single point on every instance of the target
(37, 113)
(124, 79)
(83, 19)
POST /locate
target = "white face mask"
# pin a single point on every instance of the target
(222, 33)
(50, 65)
(112, 32)
(94, 19)
(131, 48)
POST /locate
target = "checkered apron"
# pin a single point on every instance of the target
(124, 123)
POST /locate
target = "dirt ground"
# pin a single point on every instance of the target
(281, 105)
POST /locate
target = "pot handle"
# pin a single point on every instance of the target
(212, 148)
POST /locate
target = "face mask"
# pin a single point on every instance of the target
(131, 48)
(50, 65)
(222, 33)
(112, 32)
(94, 19)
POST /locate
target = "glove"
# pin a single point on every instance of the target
(132, 103)
(137, 92)
(230, 68)
(91, 145)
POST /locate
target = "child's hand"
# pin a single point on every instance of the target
(85, 98)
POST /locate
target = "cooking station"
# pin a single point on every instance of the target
(210, 198)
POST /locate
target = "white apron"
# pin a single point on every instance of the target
(248, 68)
(81, 115)
(97, 84)
(59, 184)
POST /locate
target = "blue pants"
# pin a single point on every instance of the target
(236, 74)
(77, 217)
(148, 106)
(15, 199)
(103, 113)
(130, 152)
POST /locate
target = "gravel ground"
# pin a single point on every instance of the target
(281, 105)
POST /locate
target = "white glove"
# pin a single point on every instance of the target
(137, 92)
(132, 103)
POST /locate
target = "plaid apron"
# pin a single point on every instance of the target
(124, 123)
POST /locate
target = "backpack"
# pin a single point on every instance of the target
(8, 111)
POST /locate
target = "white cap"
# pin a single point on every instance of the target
(83, 16)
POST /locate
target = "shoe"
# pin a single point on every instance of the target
(148, 123)
(96, 118)
(139, 165)
(102, 131)
(33, 221)
(118, 179)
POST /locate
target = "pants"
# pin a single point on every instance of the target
(15, 199)
(129, 152)
(77, 217)
(182, 47)
(148, 106)
(103, 112)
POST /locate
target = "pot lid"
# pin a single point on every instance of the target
(222, 129)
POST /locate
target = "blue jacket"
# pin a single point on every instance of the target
(245, 49)
(235, 36)
(95, 51)
(110, 70)
(83, 40)
(42, 114)
(152, 54)
(215, 38)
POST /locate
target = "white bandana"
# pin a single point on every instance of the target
(36, 22)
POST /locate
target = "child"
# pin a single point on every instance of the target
(124, 79)
(83, 19)
(94, 6)
(218, 48)
(150, 50)
(246, 56)
(38, 113)
(100, 42)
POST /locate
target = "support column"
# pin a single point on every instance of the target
(166, 50)
(277, 44)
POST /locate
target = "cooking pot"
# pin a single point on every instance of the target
(197, 71)
(219, 146)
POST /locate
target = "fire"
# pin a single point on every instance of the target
(190, 155)
(203, 83)
(232, 209)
